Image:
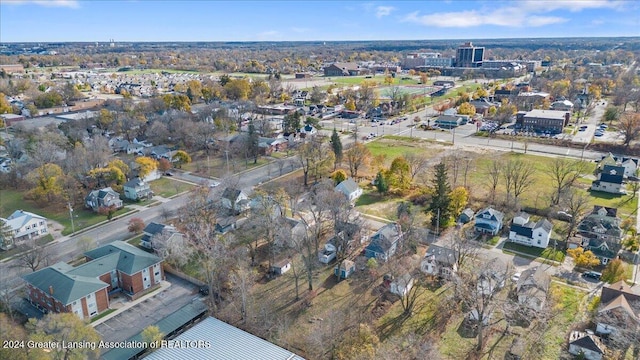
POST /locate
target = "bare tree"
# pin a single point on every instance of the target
(564, 174)
(476, 288)
(518, 176)
(494, 170)
(629, 124)
(242, 279)
(310, 155)
(171, 247)
(34, 257)
(357, 157)
(418, 163)
(576, 204)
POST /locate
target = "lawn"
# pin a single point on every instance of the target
(534, 252)
(395, 146)
(166, 187)
(378, 205)
(105, 313)
(11, 200)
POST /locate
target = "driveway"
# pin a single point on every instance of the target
(148, 312)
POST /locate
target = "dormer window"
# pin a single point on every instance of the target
(487, 216)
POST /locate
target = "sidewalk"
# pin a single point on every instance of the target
(164, 285)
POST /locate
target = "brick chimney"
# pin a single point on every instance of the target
(51, 290)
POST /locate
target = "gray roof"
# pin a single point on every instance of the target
(227, 342)
(154, 228)
(66, 288)
(167, 326)
(495, 214)
(19, 218)
(587, 341)
(134, 183)
(347, 186)
(130, 259)
(441, 254)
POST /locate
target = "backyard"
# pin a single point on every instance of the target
(167, 187)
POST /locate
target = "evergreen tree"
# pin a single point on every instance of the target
(336, 146)
(381, 183)
(252, 143)
(441, 200)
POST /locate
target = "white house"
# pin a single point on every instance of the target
(586, 345)
(532, 287)
(610, 180)
(24, 225)
(235, 200)
(530, 233)
(402, 285)
(439, 261)
(350, 189)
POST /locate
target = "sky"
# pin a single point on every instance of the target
(335, 20)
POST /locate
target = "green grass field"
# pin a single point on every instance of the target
(12, 200)
(166, 187)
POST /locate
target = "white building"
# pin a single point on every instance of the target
(24, 225)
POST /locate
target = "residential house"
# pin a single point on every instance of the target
(288, 229)
(5, 164)
(439, 261)
(136, 189)
(530, 233)
(586, 345)
(23, 225)
(532, 288)
(225, 224)
(492, 277)
(621, 303)
(154, 230)
(85, 289)
(562, 105)
(127, 147)
(342, 69)
(488, 221)
(602, 223)
(106, 197)
(270, 145)
(350, 189)
(483, 105)
(345, 269)
(384, 242)
(629, 164)
(158, 152)
(466, 216)
(402, 285)
(235, 200)
(610, 180)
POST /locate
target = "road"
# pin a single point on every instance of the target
(68, 248)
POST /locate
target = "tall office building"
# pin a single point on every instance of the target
(468, 55)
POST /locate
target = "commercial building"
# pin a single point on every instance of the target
(552, 121)
(470, 56)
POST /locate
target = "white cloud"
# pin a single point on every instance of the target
(382, 11)
(47, 3)
(524, 13)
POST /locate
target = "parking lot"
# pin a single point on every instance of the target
(148, 312)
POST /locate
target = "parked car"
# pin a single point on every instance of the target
(516, 277)
(592, 275)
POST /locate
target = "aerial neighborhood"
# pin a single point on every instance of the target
(423, 199)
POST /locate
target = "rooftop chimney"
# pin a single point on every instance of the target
(51, 290)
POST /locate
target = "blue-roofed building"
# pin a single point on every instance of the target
(530, 233)
(488, 221)
(384, 242)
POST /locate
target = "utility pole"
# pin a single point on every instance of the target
(73, 229)
(438, 224)
(226, 153)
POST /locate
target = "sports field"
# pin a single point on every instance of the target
(387, 91)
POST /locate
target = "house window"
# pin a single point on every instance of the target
(89, 296)
(144, 271)
(145, 279)
(156, 273)
(75, 303)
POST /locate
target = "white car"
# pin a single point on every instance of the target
(516, 277)
(213, 184)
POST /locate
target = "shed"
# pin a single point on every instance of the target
(280, 267)
(345, 269)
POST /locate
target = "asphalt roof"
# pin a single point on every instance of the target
(19, 218)
(347, 186)
(130, 260)
(153, 228)
(66, 288)
(441, 254)
(588, 341)
(227, 342)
